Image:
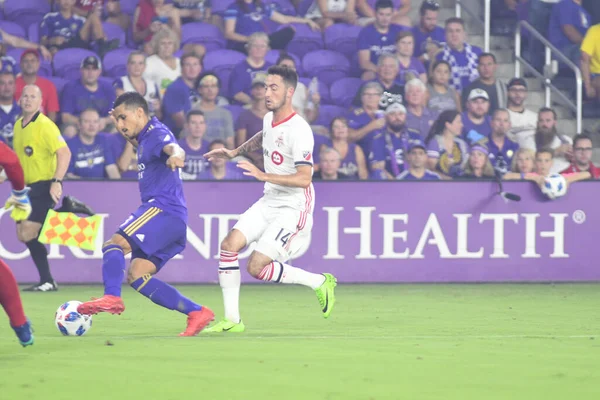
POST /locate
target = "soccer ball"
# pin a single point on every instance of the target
(69, 322)
(555, 186)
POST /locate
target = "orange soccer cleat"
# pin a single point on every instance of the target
(106, 303)
(198, 320)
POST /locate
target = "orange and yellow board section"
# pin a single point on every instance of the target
(68, 229)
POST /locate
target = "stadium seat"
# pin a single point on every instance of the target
(327, 113)
(273, 55)
(114, 64)
(33, 32)
(113, 31)
(45, 66)
(59, 83)
(221, 62)
(235, 111)
(25, 12)
(343, 91)
(12, 28)
(397, 3)
(323, 90)
(327, 65)
(305, 40)
(219, 7)
(355, 70)
(67, 62)
(342, 38)
(284, 7)
(207, 34)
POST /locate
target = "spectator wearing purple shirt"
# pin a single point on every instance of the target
(91, 152)
(125, 155)
(194, 145)
(476, 121)
(410, 67)
(87, 92)
(399, 15)
(10, 111)
(387, 74)
(250, 120)
(353, 161)
(428, 35)
(65, 29)
(478, 165)
(365, 121)
(240, 81)
(418, 118)
(462, 57)
(181, 95)
(219, 169)
(390, 145)
(377, 38)
(245, 17)
(502, 150)
(417, 164)
(447, 153)
(569, 23)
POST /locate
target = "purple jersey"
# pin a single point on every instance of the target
(378, 43)
(428, 176)
(437, 36)
(423, 123)
(473, 132)
(241, 77)
(358, 118)
(232, 173)
(195, 162)
(414, 69)
(349, 164)
(158, 184)
(76, 98)
(567, 12)
(502, 156)
(7, 122)
(54, 25)
(392, 149)
(90, 160)
(178, 97)
(248, 18)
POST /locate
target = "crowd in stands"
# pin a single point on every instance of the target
(388, 98)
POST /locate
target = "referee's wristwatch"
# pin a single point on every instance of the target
(57, 181)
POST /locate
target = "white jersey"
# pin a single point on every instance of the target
(285, 146)
(523, 125)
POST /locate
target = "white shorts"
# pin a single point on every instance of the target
(280, 232)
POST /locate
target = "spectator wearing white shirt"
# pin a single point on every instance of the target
(163, 68)
(522, 120)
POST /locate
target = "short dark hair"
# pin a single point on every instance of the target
(455, 20)
(550, 110)
(289, 76)
(190, 55)
(217, 141)
(580, 136)
(191, 113)
(545, 150)
(482, 55)
(285, 56)
(429, 5)
(499, 110)
(384, 4)
(132, 100)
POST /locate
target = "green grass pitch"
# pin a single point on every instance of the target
(416, 342)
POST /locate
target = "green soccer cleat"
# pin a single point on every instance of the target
(226, 325)
(326, 295)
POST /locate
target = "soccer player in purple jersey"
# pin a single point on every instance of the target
(156, 232)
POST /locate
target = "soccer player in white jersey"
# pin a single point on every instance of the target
(279, 222)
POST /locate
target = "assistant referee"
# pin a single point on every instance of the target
(45, 158)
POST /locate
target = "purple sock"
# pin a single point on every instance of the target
(164, 294)
(113, 269)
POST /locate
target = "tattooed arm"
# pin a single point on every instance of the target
(250, 145)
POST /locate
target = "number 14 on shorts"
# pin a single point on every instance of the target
(284, 236)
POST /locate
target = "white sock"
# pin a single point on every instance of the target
(230, 281)
(284, 273)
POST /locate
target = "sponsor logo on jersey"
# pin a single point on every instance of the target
(277, 158)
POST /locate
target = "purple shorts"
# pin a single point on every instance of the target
(154, 234)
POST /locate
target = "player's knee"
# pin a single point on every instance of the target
(230, 244)
(118, 240)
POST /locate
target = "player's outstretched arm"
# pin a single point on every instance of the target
(302, 178)
(176, 156)
(250, 145)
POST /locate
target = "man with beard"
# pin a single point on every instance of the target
(582, 155)
(547, 137)
(428, 35)
(476, 121)
(501, 149)
(390, 145)
(522, 120)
